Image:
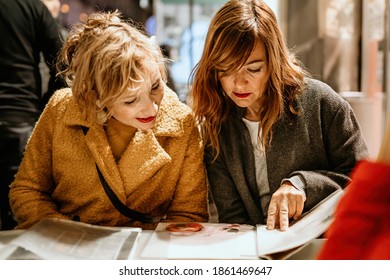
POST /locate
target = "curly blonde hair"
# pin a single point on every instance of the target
(102, 59)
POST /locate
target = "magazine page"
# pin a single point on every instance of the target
(6, 236)
(56, 239)
(308, 227)
(201, 241)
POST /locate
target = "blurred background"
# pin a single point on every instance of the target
(345, 43)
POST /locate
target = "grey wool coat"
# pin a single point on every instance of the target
(322, 145)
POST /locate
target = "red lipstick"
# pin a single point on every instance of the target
(241, 95)
(146, 120)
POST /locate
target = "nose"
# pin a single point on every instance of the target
(149, 106)
(240, 79)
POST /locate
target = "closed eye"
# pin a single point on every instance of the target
(156, 86)
(129, 102)
(255, 70)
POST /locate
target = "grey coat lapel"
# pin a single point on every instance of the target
(242, 166)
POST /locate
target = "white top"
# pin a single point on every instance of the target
(260, 165)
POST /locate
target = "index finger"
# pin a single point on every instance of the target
(272, 212)
(283, 214)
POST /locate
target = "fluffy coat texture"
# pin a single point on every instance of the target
(160, 173)
(361, 229)
(321, 145)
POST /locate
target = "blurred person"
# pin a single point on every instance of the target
(117, 148)
(361, 229)
(26, 30)
(277, 142)
(54, 7)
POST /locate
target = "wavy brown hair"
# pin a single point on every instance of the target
(231, 37)
(103, 58)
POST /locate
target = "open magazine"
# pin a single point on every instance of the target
(56, 239)
(64, 239)
(233, 241)
(201, 241)
(275, 244)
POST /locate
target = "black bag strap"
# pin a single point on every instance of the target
(135, 215)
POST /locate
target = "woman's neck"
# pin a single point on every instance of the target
(252, 114)
(119, 136)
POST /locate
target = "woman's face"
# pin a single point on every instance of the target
(139, 108)
(249, 83)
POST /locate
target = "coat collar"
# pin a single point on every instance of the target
(143, 157)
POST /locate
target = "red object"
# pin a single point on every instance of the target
(361, 229)
(184, 227)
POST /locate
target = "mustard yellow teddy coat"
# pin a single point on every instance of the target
(161, 171)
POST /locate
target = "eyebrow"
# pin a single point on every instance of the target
(136, 94)
(255, 61)
(127, 97)
(155, 81)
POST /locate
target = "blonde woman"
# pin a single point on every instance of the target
(117, 148)
(277, 142)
